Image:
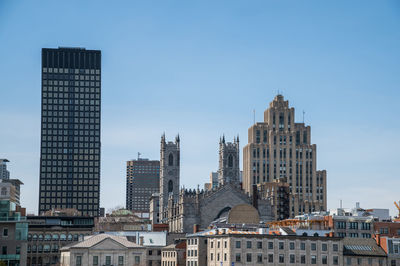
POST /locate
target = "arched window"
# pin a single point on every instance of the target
(55, 237)
(76, 237)
(170, 160)
(47, 237)
(170, 186)
(69, 237)
(63, 237)
(40, 237)
(230, 161)
(34, 237)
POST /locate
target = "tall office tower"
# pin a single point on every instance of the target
(142, 180)
(279, 148)
(70, 132)
(4, 173)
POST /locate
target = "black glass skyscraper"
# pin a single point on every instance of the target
(70, 132)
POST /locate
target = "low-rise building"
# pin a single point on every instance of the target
(47, 234)
(391, 246)
(174, 255)
(250, 248)
(390, 229)
(104, 249)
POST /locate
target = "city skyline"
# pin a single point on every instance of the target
(209, 85)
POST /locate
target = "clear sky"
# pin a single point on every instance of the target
(200, 68)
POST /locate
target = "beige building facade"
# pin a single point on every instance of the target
(252, 249)
(280, 148)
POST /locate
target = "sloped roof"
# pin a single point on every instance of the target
(361, 247)
(96, 239)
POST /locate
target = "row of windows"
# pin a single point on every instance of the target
(74, 90)
(259, 258)
(71, 70)
(353, 225)
(65, 98)
(70, 113)
(71, 77)
(55, 237)
(107, 260)
(45, 207)
(281, 245)
(73, 83)
(78, 179)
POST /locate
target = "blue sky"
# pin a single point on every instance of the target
(200, 68)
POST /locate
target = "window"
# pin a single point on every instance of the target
(348, 261)
(270, 245)
(237, 257)
(353, 225)
(292, 258)
(303, 259)
(230, 161)
(259, 245)
(212, 256)
(212, 244)
(259, 258)
(248, 244)
(365, 226)
(170, 160)
(137, 259)
(270, 257)
(108, 260)
(238, 244)
(281, 245)
(359, 261)
(78, 260)
(384, 230)
(170, 186)
(313, 259)
(95, 260)
(4, 250)
(303, 246)
(5, 232)
(324, 260)
(341, 225)
(248, 257)
(291, 245)
(313, 246)
(324, 247)
(335, 260)
(120, 260)
(281, 258)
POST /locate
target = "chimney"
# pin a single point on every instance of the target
(357, 205)
(141, 240)
(378, 239)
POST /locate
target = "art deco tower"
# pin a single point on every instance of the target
(279, 148)
(70, 131)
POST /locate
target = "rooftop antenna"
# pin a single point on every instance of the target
(341, 204)
(303, 116)
(254, 116)
(138, 155)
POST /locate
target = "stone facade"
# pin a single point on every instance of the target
(186, 208)
(280, 148)
(169, 173)
(252, 249)
(229, 171)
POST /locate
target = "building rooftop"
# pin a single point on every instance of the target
(362, 247)
(96, 239)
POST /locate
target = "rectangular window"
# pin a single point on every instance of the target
(95, 260)
(120, 260)
(303, 259)
(335, 260)
(137, 259)
(303, 246)
(313, 246)
(281, 245)
(238, 244)
(270, 245)
(5, 232)
(238, 258)
(271, 258)
(291, 245)
(281, 258)
(292, 258)
(78, 260)
(248, 244)
(313, 259)
(335, 247)
(108, 260)
(324, 260)
(248, 257)
(259, 258)
(324, 247)
(259, 245)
